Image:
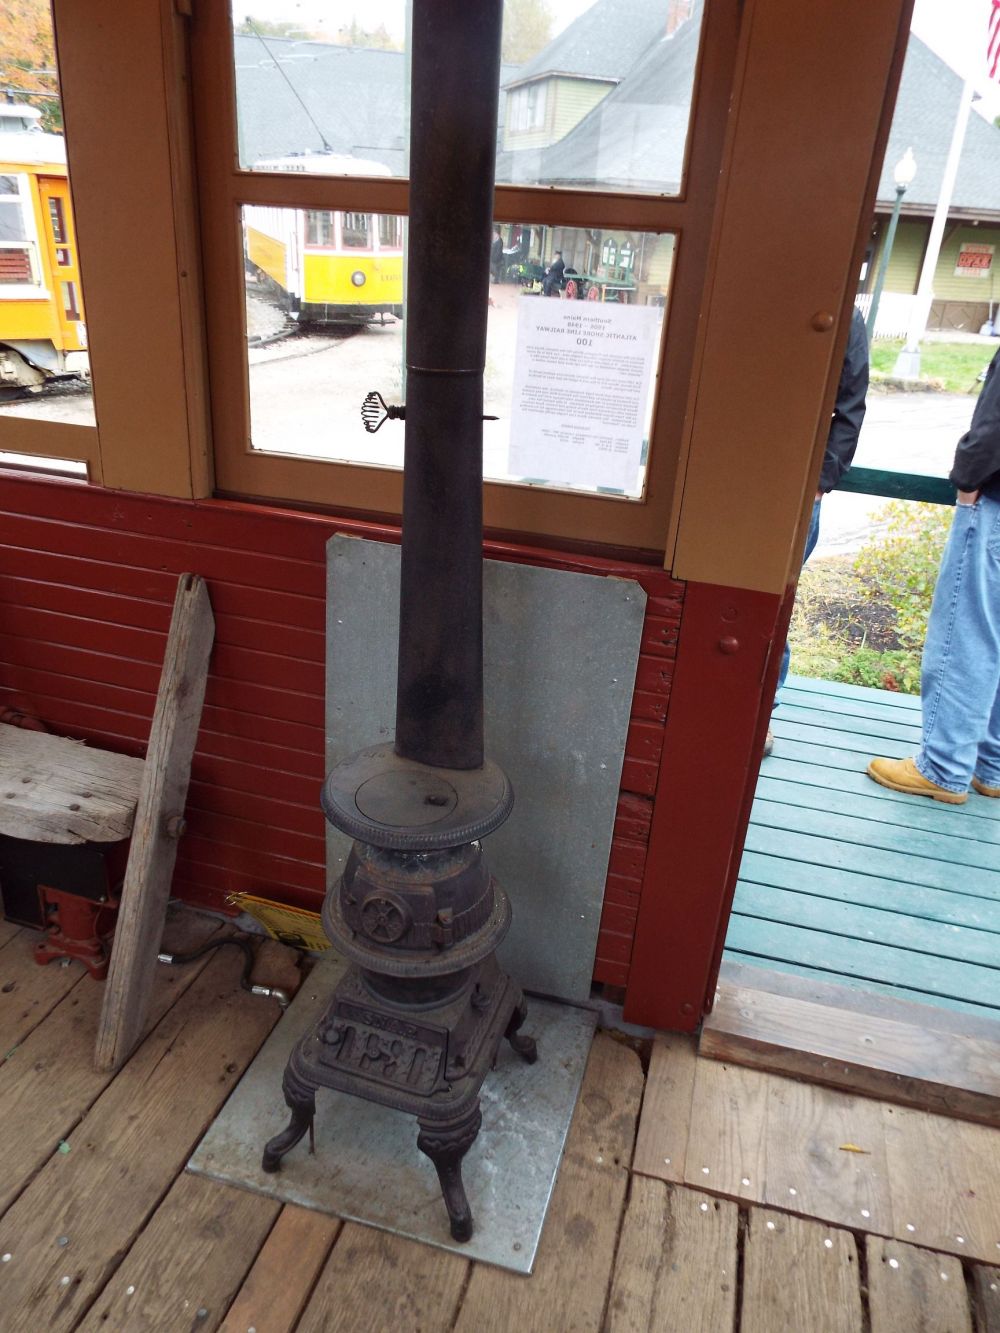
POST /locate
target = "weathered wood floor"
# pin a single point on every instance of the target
(845, 881)
(740, 1202)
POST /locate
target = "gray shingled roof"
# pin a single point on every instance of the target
(603, 43)
(924, 119)
(356, 95)
(635, 137)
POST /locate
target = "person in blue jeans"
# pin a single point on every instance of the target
(960, 672)
(841, 444)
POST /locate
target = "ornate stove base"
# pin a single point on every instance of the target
(431, 1064)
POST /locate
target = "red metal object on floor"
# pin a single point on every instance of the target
(74, 930)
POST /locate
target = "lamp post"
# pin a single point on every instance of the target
(903, 174)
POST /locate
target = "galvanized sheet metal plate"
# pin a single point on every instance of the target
(560, 655)
(367, 1165)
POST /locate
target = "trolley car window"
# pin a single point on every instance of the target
(58, 220)
(355, 231)
(13, 214)
(390, 231)
(319, 227)
(594, 94)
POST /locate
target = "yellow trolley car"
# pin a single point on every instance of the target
(43, 335)
(327, 267)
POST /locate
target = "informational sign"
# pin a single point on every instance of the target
(580, 407)
(974, 261)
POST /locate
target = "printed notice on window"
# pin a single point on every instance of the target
(580, 406)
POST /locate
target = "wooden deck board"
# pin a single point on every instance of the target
(938, 978)
(820, 1264)
(914, 1289)
(903, 1059)
(283, 1277)
(127, 1150)
(844, 879)
(148, 1247)
(28, 992)
(677, 1262)
(846, 1160)
(809, 766)
(795, 968)
(49, 1082)
(569, 1286)
(956, 909)
(184, 1268)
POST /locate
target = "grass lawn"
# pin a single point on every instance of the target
(955, 365)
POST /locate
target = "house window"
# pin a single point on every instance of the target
(526, 108)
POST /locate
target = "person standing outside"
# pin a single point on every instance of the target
(554, 275)
(841, 445)
(960, 671)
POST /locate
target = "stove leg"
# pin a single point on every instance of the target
(300, 1098)
(446, 1144)
(524, 1045)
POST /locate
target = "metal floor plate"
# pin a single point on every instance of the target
(367, 1167)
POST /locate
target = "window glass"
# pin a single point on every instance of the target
(44, 366)
(593, 93)
(572, 347)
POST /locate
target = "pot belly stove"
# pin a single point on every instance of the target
(418, 1018)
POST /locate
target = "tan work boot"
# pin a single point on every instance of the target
(769, 745)
(903, 775)
(983, 789)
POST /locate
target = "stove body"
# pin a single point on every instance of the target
(416, 1022)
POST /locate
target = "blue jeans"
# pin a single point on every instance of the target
(811, 540)
(960, 675)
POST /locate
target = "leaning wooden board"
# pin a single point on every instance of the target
(158, 823)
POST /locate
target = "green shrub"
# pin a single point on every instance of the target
(895, 669)
(900, 565)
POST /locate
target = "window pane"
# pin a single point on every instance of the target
(572, 348)
(44, 367)
(593, 93)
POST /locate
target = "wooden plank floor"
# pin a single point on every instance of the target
(848, 882)
(735, 1207)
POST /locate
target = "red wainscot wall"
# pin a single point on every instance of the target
(87, 583)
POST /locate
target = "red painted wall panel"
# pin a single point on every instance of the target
(87, 582)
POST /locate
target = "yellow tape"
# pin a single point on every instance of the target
(290, 925)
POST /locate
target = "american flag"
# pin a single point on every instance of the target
(993, 41)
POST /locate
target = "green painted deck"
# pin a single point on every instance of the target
(848, 882)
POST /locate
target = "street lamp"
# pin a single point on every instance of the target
(903, 174)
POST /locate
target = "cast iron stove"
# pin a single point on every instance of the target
(416, 1022)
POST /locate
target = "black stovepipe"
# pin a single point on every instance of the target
(455, 55)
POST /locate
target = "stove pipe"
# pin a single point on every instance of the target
(416, 1021)
(455, 61)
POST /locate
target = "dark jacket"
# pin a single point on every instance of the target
(849, 407)
(977, 458)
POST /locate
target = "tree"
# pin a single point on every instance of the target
(251, 27)
(28, 59)
(527, 27)
(354, 34)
